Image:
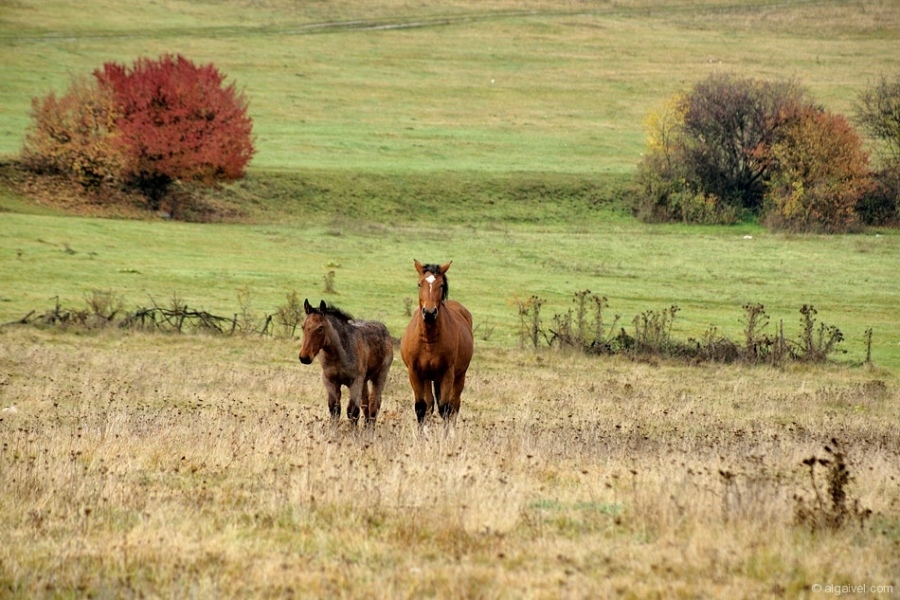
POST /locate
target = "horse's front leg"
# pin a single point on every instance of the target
(333, 389)
(424, 401)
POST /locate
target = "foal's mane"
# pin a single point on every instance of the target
(334, 311)
(436, 270)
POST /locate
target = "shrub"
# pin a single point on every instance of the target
(878, 113)
(147, 126)
(726, 121)
(704, 161)
(659, 172)
(177, 121)
(530, 328)
(585, 327)
(653, 331)
(72, 135)
(291, 314)
(819, 173)
(830, 506)
(880, 204)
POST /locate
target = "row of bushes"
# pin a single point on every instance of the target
(585, 327)
(105, 309)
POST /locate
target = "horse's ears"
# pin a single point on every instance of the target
(307, 307)
(420, 268)
(322, 307)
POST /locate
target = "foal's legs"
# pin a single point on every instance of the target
(359, 394)
(373, 405)
(334, 398)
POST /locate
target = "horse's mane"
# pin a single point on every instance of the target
(334, 311)
(436, 270)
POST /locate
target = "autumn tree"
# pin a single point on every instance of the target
(704, 161)
(878, 113)
(71, 135)
(732, 146)
(146, 126)
(177, 121)
(665, 193)
(819, 173)
(726, 121)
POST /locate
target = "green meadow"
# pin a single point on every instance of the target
(709, 275)
(500, 135)
(494, 86)
(503, 136)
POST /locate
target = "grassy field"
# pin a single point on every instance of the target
(495, 86)
(173, 466)
(500, 135)
(709, 273)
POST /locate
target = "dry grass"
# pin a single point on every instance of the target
(191, 466)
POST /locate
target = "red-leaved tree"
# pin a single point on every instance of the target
(177, 121)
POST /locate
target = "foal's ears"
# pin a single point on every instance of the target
(307, 307)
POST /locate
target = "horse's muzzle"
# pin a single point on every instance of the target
(429, 315)
(305, 359)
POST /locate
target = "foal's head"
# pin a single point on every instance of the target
(433, 289)
(313, 331)
(315, 328)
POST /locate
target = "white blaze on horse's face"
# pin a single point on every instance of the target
(429, 312)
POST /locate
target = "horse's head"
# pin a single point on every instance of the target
(433, 289)
(313, 331)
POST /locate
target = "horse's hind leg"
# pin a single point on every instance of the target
(455, 399)
(370, 402)
(359, 394)
(373, 405)
(334, 399)
(446, 394)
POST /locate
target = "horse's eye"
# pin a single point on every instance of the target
(320, 329)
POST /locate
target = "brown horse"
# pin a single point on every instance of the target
(352, 353)
(437, 345)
